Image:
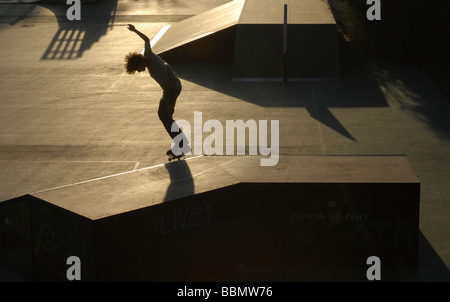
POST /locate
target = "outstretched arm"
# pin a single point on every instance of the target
(133, 29)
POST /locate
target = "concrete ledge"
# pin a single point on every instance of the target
(208, 216)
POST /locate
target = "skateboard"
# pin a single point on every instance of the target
(172, 156)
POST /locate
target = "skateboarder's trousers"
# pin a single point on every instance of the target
(167, 106)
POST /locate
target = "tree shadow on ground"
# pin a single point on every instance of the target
(416, 94)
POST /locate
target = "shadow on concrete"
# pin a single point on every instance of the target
(424, 100)
(26, 11)
(358, 88)
(181, 181)
(73, 38)
(421, 42)
(431, 268)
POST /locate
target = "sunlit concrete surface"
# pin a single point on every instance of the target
(70, 113)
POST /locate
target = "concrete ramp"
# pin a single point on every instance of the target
(211, 22)
(251, 36)
(218, 218)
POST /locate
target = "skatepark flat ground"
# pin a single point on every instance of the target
(75, 114)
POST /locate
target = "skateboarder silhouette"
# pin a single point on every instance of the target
(163, 74)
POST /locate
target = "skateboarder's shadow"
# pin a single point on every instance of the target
(181, 181)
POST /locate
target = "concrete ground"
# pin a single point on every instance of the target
(69, 112)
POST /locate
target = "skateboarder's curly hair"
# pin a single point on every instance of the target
(134, 62)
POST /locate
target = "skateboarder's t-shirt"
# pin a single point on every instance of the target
(158, 68)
